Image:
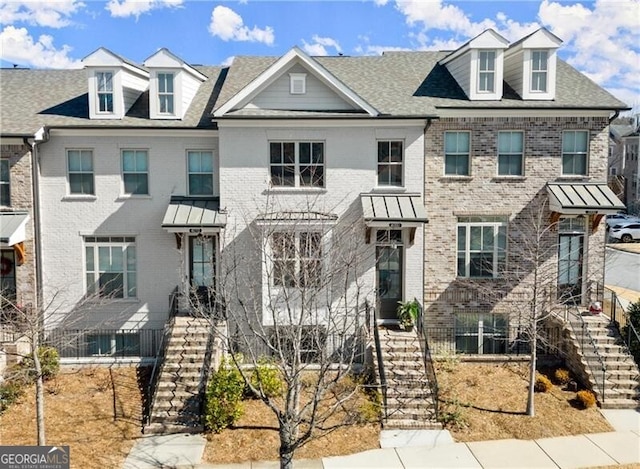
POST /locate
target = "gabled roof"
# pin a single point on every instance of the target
(104, 57)
(488, 39)
(280, 66)
(541, 38)
(164, 58)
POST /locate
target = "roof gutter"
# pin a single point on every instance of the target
(614, 117)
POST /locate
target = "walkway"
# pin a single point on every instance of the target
(581, 451)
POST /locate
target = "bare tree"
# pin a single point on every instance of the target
(296, 285)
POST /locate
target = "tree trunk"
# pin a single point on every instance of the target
(39, 394)
(531, 411)
(286, 452)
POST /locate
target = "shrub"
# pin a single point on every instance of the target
(10, 391)
(223, 400)
(561, 376)
(585, 399)
(266, 379)
(634, 319)
(49, 363)
(453, 417)
(542, 384)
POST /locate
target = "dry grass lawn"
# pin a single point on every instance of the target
(487, 400)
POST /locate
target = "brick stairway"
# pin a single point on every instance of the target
(409, 400)
(622, 380)
(181, 380)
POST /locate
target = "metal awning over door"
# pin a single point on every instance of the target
(393, 210)
(194, 215)
(583, 198)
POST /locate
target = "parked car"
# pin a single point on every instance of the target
(626, 232)
(619, 219)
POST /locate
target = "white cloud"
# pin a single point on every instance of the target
(319, 46)
(438, 15)
(19, 47)
(126, 8)
(50, 13)
(229, 26)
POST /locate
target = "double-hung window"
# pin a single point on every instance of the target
(486, 71)
(574, 152)
(80, 169)
(482, 246)
(390, 160)
(165, 93)
(456, 154)
(296, 259)
(297, 164)
(539, 70)
(200, 168)
(105, 91)
(110, 266)
(135, 172)
(510, 154)
(5, 183)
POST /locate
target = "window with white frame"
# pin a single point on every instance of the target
(110, 266)
(5, 183)
(135, 172)
(200, 169)
(510, 153)
(80, 169)
(296, 258)
(481, 333)
(482, 246)
(486, 71)
(121, 344)
(165, 93)
(456, 154)
(390, 162)
(539, 70)
(574, 152)
(297, 83)
(296, 164)
(105, 91)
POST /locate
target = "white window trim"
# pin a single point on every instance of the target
(94, 104)
(172, 94)
(402, 164)
(487, 72)
(93, 173)
(92, 241)
(586, 154)
(297, 174)
(467, 249)
(533, 71)
(297, 83)
(125, 194)
(522, 155)
(214, 184)
(444, 152)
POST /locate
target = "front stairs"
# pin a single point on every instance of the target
(409, 400)
(182, 378)
(622, 377)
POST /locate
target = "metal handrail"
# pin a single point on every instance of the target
(381, 374)
(428, 361)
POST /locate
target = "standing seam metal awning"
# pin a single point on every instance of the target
(13, 227)
(185, 214)
(393, 209)
(583, 198)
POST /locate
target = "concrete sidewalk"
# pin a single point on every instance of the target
(434, 449)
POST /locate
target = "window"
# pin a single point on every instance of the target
(200, 172)
(487, 71)
(110, 266)
(297, 164)
(456, 153)
(390, 163)
(80, 165)
(105, 91)
(482, 246)
(297, 83)
(570, 255)
(5, 183)
(135, 172)
(122, 344)
(481, 333)
(574, 152)
(8, 277)
(310, 343)
(165, 93)
(539, 69)
(510, 154)
(297, 259)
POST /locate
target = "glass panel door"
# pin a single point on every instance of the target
(389, 272)
(570, 267)
(202, 255)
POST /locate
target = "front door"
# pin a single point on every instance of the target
(389, 273)
(202, 268)
(570, 259)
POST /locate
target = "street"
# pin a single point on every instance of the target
(622, 269)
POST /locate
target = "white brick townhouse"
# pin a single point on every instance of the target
(251, 185)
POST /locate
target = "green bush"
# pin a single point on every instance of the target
(266, 379)
(585, 399)
(542, 384)
(49, 362)
(634, 318)
(561, 376)
(10, 391)
(223, 400)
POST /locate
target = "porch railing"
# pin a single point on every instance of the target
(104, 343)
(621, 320)
(379, 360)
(428, 361)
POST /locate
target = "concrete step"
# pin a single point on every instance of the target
(620, 404)
(159, 428)
(423, 392)
(399, 403)
(411, 424)
(192, 387)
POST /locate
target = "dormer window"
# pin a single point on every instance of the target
(486, 71)
(297, 83)
(165, 93)
(105, 91)
(539, 69)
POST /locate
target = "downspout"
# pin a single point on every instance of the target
(614, 117)
(41, 136)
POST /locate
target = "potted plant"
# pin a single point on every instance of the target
(408, 312)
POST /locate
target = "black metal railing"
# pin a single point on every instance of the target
(99, 343)
(380, 363)
(621, 320)
(428, 361)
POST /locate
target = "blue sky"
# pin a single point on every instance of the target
(601, 38)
